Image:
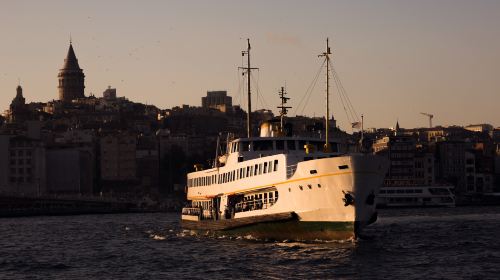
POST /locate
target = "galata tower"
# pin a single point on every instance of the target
(71, 78)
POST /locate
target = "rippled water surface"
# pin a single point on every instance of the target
(456, 243)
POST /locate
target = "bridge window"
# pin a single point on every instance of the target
(318, 146)
(280, 145)
(265, 145)
(275, 165)
(302, 143)
(244, 146)
(265, 167)
(334, 147)
(290, 145)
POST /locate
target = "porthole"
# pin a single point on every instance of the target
(289, 189)
(309, 186)
(301, 188)
(319, 185)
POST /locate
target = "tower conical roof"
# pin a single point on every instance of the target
(71, 63)
(19, 92)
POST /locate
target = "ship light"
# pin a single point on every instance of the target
(309, 148)
(198, 167)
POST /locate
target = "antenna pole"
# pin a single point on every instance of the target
(284, 109)
(361, 140)
(248, 70)
(362, 126)
(282, 95)
(326, 54)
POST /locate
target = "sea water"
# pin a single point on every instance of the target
(437, 243)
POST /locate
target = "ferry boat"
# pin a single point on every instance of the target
(416, 196)
(283, 187)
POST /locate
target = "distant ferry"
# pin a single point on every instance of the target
(280, 187)
(416, 196)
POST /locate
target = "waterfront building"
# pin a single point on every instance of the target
(480, 127)
(148, 164)
(22, 165)
(71, 78)
(69, 171)
(109, 94)
(410, 162)
(495, 135)
(451, 158)
(218, 100)
(118, 155)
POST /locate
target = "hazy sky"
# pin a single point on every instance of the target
(395, 58)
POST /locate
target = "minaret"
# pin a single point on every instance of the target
(19, 99)
(397, 132)
(71, 78)
(18, 106)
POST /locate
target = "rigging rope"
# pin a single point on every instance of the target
(350, 111)
(239, 99)
(262, 100)
(309, 90)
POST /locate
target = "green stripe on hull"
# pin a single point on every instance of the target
(297, 230)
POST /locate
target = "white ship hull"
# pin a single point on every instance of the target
(331, 198)
(281, 187)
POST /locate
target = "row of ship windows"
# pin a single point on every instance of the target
(277, 145)
(257, 201)
(237, 174)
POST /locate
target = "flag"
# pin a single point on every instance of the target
(356, 125)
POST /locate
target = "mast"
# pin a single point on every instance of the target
(249, 123)
(326, 54)
(248, 70)
(284, 109)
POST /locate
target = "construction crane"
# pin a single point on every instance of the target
(430, 118)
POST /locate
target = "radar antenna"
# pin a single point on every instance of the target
(284, 109)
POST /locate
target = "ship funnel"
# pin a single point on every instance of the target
(270, 129)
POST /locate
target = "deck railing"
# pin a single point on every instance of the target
(191, 211)
(255, 204)
(203, 214)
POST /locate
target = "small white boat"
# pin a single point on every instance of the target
(416, 196)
